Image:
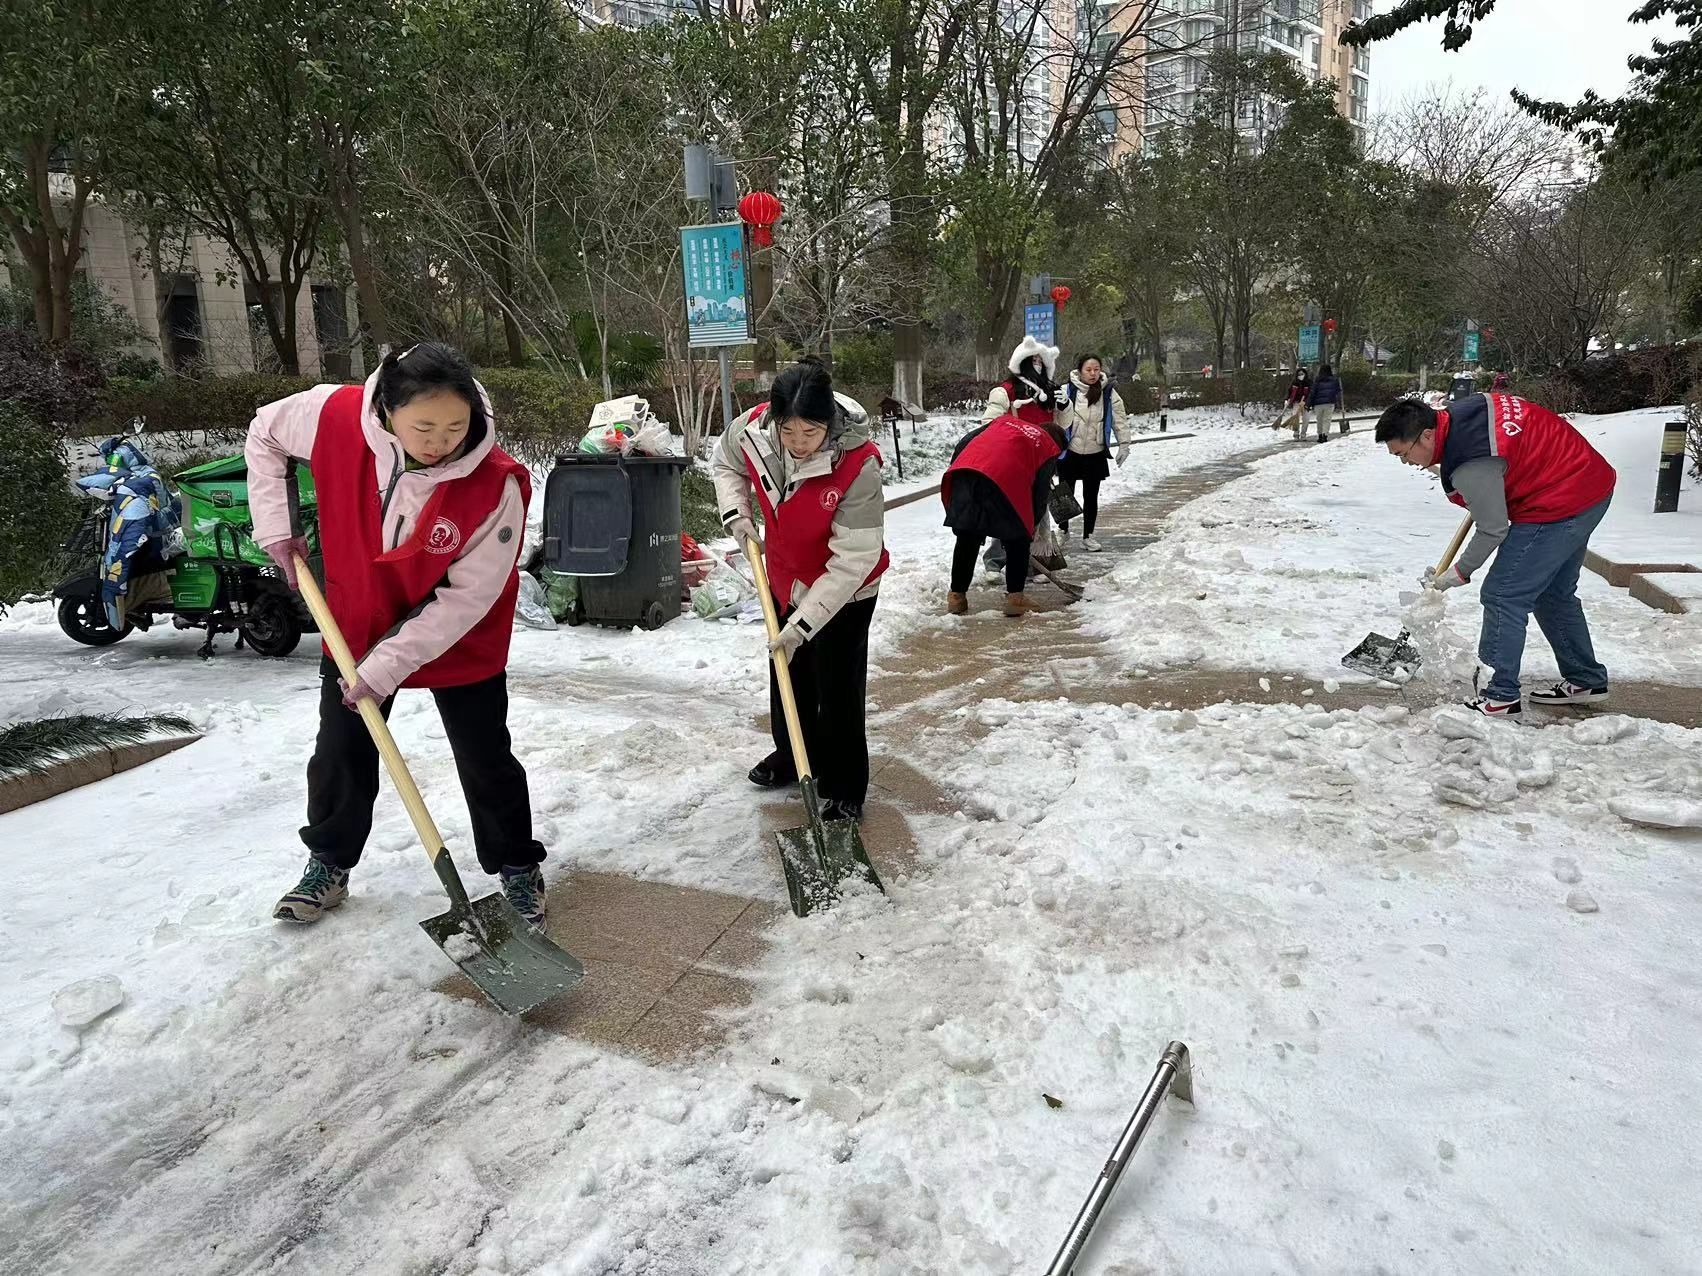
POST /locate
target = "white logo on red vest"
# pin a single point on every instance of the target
(445, 538)
(830, 500)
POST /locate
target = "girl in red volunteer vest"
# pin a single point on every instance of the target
(997, 486)
(421, 518)
(804, 461)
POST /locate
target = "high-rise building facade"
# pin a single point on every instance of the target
(1184, 35)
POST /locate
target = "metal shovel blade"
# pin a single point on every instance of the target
(816, 860)
(512, 964)
(1383, 657)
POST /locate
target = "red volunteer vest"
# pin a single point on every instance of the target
(1010, 451)
(1031, 411)
(797, 530)
(1552, 471)
(371, 591)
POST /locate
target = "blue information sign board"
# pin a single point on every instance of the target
(1311, 343)
(1471, 347)
(717, 284)
(1041, 322)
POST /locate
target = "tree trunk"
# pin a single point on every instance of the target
(510, 329)
(290, 352)
(762, 294)
(374, 329)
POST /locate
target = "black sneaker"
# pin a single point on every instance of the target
(773, 773)
(1564, 692)
(842, 809)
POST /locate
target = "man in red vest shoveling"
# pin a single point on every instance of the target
(1536, 490)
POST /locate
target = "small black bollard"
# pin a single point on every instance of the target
(1671, 470)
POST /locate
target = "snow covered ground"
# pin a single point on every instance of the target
(1443, 1002)
(1292, 567)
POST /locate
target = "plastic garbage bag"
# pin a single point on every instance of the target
(603, 440)
(561, 593)
(530, 605)
(723, 592)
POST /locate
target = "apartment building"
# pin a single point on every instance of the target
(187, 297)
(1185, 33)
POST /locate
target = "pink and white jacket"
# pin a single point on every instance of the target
(286, 429)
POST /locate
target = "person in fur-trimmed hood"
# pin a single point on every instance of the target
(1029, 392)
(806, 458)
(1090, 419)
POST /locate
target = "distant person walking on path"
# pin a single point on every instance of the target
(1294, 405)
(1000, 476)
(1324, 398)
(807, 459)
(1092, 415)
(1536, 490)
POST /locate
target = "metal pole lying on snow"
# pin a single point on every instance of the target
(1174, 1074)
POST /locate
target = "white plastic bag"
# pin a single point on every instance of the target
(724, 591)
(531, 607)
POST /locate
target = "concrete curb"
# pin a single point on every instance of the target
(18, 791)
(1635, 577)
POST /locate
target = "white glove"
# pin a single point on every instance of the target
(1447, 580)
(1122, 455)
(742, 529)
(791, 638)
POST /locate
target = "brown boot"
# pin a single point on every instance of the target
(957, 604)
(1018, 605)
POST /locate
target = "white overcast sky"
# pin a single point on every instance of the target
(1554, 49)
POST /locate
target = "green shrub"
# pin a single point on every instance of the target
(191, 403)
(540, 415)
(700, 514)
(1139, 397)
(864, 358)
(38, 506)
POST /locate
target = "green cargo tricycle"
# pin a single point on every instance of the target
(223, 582)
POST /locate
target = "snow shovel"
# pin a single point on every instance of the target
(1070, 589)
(817, 857)
(506, 959)
(1384, 657)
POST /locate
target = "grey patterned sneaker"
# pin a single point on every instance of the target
(322, 888)
(525, 890)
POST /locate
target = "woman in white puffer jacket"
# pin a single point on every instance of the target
(1091, 416)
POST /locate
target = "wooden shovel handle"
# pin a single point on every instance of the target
(375, 724)
(1454, 545)
(782, 673)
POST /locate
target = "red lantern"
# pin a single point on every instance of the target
(759, 210)
(1060, 295)
(1329, 327)
(1489, 334)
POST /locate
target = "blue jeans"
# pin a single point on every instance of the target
(1536, 572)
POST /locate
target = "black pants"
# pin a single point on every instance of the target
(830, 679)
(969, 547)
(342, 775)
(1089, 503)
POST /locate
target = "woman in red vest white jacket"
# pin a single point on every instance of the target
(996, 487)
(421, 517)
(805, 458)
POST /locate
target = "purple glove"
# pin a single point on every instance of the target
(352, 696)
(284, 553)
